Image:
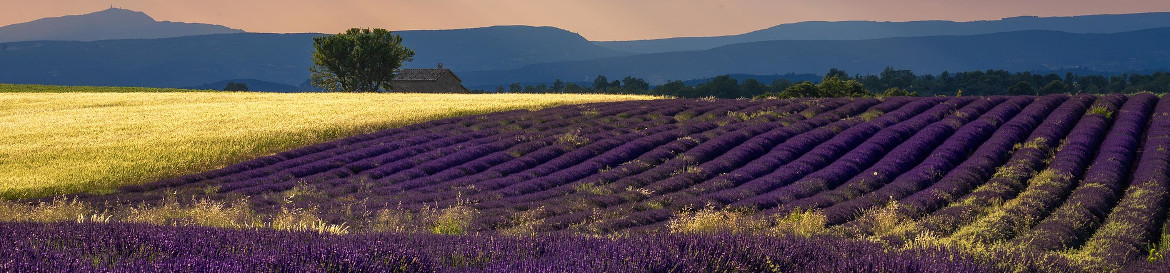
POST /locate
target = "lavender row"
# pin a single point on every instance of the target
(820, 156)
(897, 178)
(658, 215)
(388, 160)
(629, 168)
(384, 168)
(650, 212)
(734, 134)
(1009, 179)
(383, 172)
(437, 125)
(506, 162)
(141, 248)
(653, 215)
(409, 180)
(868, 151)
(519, 165)
(982, 163)
(1087, 206)
(789, 150)
(659, 207)
(700, 147)
(375, 143)
(582, 163)
(1048, 188)
(619, 189)
(1136, 221)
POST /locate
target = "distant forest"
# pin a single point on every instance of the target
(891, 81)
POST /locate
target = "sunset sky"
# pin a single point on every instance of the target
(597, 20)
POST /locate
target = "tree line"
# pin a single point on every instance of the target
(364, 60)
(890, 82)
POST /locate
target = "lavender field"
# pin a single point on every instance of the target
(1059, 183)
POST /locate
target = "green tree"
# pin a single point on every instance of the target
(635, 84)
(898, 92)
(539, 88)
(834, 72)
(600, 83)
(723, 86)
(1021, 88)
(778, 85)
(359, 60)
(891, 77)
(752, 87)
(574, 88)
(515, 87)
(558, 85)
(1053, 87)
(834, 87)
(801, 90)
(673, 88)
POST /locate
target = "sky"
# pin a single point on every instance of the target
(597, 20)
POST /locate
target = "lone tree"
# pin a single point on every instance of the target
(359, 60)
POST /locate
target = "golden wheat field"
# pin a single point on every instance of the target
(58, 140)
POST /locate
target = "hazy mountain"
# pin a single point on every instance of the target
(864, 30)
(279, 58)
(1015, 51)
(498, 47)
(505, 54)
(105, 25)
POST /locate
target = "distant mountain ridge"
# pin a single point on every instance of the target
(499, 55)
(1144, 50)
(498, 47)
(108, 24)
(278, 58)
(865, 30)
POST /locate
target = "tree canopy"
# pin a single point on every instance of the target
(890, 82)
(359, 60)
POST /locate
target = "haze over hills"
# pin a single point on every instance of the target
(864, 30)
(108, 24)
(278, 58)
(498, 47)
(492, 56)
(1014, 51)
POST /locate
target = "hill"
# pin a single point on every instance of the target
(278, 58)
(498, 47)
(1014, 51)
(864, 30)
(108, 24)
(500, 55)
(169, 62)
